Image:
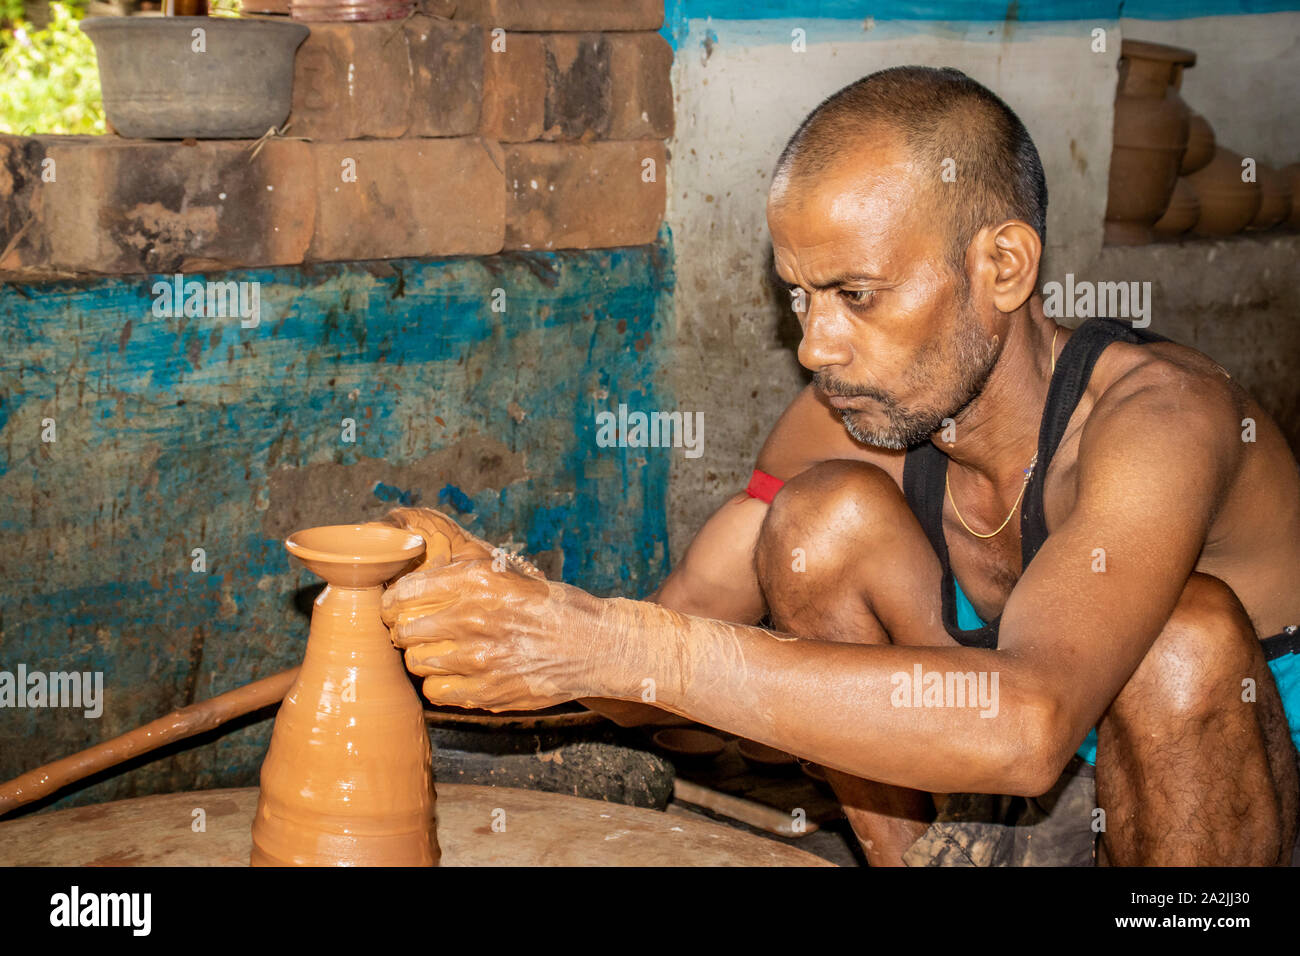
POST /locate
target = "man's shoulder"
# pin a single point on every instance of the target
(1165, 388)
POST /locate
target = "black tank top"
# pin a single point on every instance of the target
(925, 467)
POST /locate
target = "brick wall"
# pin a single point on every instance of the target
(507, 125)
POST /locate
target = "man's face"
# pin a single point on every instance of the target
(893, 337)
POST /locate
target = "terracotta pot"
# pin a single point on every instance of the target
(156, 88)
(1274, 197)
(347, 780)
(1200, 144)
(689, 743)
(1150, 137)
(766, 758)
(1227, 204)
(1292, 174)
(1184, 209)
(354, 10)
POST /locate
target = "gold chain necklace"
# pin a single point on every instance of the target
(1029, 473)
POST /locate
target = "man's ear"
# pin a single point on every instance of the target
(1007, 258)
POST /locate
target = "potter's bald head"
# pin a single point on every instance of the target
(935, 116)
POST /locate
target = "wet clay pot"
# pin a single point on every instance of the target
(1227, 204)
(1150, 137)
(1292, 174)
(1200, 145)
(348, 778)
(1184, 209)
(1274, 198)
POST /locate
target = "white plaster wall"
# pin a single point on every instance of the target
(741, 91)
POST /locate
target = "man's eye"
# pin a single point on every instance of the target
(858, 296)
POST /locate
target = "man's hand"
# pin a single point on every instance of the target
(447, 542)
(494, 639)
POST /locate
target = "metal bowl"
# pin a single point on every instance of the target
(162, 79)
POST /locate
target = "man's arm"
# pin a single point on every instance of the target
(1155, 460)
(716, 577)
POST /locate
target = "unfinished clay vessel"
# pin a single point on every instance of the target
(1228, 204)
(1184, 209)
(348, 778)
(1200, 144)
(1150, 137)
(1274, 198)
(1292, 173)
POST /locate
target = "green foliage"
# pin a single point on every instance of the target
(10, 10)
(49, 79)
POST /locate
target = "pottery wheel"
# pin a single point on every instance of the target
(540, 829)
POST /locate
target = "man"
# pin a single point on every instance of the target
(993, 550)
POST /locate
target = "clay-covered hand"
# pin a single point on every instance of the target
(447, 542)
(489, 637)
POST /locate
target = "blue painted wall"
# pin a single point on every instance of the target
(176, 433)
(677, 13)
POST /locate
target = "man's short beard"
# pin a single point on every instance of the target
(905, 430)
(972, 355)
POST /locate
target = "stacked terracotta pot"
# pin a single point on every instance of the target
(1150, 138)
(1168, 176)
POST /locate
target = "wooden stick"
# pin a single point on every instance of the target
(746, 811)
(179, 724)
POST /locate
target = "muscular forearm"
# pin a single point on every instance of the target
(715, 580)
(838, 704)
(634, 714)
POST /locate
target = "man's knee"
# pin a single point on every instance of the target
(826, 514)
(1205, 651)
(1181, 745)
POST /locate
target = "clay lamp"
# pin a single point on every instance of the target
(765, 758)
(689, 744)
(348, 778)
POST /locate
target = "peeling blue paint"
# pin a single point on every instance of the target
(457, 499)
(170, 431)
(393, 494)
(679, 14)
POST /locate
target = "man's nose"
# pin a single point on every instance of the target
(825, 339)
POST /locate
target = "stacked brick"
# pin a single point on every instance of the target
(469, 129)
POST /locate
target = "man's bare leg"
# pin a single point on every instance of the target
(1189, 772)
(840, 557)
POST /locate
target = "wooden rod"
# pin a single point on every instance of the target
(738, 808)
(179, 724)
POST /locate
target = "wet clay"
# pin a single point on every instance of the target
(447, 542)
(195, 719)
(348, 778)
